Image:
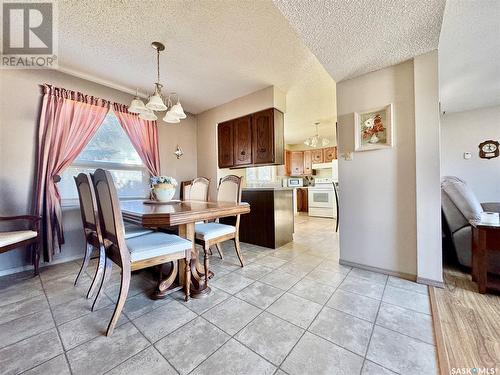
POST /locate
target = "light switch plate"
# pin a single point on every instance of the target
(467, 155)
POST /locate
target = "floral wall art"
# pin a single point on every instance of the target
(373, 129)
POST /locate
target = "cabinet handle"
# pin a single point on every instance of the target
(262, 149)
(242, 153)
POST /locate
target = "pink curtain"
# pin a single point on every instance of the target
(143, 135)
(68, 120)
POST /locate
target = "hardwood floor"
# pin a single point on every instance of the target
(467, 324)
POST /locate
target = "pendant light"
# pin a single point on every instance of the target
(177, 109)
(170, 117)
(148, 115)
(137, 105)
(316, 140)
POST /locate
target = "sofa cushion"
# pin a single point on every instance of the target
(209, 231)
(463, 197)
(155, 244)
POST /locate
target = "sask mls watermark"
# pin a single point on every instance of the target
(29, 39)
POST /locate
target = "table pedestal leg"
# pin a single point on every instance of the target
(171, 270)
(199, 288)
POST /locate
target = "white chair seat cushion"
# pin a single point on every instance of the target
(209, 231)
(8, 238)
(132, 230)
(154, 245)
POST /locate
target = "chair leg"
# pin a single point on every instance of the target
(187, 277)
(98, 273)
(85, 262)
(125, 283)
(210, 251)
(219, 249)
(108, 267)
(238, 250)
(36, 258)
(206, 248)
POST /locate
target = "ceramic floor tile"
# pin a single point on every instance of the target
(141, 304)
(201, 337)
(313, 291)
(232, 283)
(234, 358)
(77, 308)
(200, 305)
(316, 356)
(232, 315)
(270, 261)
(410, 300)
(326, 277)
(260, 294)
(308, 259)
(281, 280)
(369, 275)
(333, 266)
(271, 337)
(370, 368)
(254, 271)
(62, 290)
(22, 308)
(409, 322)
(30, 353)
(57, 365)
(20, 290)
(163, 320)
(60, 270)
(294, 309)
(401, 353)
(22, 328)
(408, 285)
(343, 329)
(104, 353)
(147, 362)
(361, 286)
(87, 327)
(354, 304)
(296, 268)
(138, 284)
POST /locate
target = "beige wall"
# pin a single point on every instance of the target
(463, 132)
(377, 188)
(428, 187)
(19, 106)
(207, 129)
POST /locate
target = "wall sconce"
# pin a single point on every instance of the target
(178, 152)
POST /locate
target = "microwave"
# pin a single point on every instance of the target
(295, 182)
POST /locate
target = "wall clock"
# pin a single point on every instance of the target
(488, 149)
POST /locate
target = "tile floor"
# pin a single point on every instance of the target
(292, 311)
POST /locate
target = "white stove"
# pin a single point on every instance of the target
(321, 198)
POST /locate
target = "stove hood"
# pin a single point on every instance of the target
(328, 165)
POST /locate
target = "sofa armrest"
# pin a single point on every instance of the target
(491, 206)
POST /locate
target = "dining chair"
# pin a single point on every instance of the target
(92, 230)
(210, 234)
(196, 189)
(31, 237)
(135, 253)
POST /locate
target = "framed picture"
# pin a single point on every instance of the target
(373, 129)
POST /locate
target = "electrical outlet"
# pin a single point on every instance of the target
(467, 155)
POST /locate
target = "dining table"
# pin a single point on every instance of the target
(183, 215)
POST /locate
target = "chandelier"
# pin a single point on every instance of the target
(316, 140)
(156, 103)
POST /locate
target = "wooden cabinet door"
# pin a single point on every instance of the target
(288, 167)
(317, 156)
(263, 137)
(242, 128)
(297, 163)
(308, 163)
(302, 200)
(329, 154)
(225, 144)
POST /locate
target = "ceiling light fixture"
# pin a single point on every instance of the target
(316, 140)
(175, 112)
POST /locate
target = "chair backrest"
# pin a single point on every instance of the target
(88, 204)
(462, 197)
(111, 222)
(198, 190)
(229, 189)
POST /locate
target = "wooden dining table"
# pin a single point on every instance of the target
(183, 215)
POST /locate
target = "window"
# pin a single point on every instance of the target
(266, 174)
(111, 149)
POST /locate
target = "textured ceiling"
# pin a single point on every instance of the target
(216, 50)
(469, 55)
(354, 37)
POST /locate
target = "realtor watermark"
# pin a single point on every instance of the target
(29, 34)
(474, 371)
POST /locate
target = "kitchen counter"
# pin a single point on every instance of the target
(267, 188)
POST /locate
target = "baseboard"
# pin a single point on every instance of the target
(11, 271)
(434, 283)
(401, 275)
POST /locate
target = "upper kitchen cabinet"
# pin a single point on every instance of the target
(254, 139)
(329, 154)
(225, 144)
(308, 170)
(317, 156)
(242, 128)
(296, 163)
